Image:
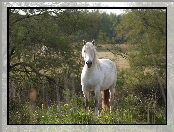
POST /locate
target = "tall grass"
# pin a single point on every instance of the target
(132, 106)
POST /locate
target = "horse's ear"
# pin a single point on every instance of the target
(93, 41)
(84, 42)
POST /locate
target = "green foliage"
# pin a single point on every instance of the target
(18, 114)
(64, 115)
(145, 30)
(131, 108)
(138, 95)
(102, 38)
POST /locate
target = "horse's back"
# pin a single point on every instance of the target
(108, 64)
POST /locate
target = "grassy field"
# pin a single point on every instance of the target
(131, 105)
(118, 59)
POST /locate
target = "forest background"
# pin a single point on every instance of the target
(44, 83)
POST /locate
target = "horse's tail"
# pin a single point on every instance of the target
(105, 99)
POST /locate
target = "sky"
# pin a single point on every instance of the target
(116, 11)
(114, 4)
(105, 4)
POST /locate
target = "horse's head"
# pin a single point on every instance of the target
(89, 53)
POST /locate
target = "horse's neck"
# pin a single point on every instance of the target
(97, 63)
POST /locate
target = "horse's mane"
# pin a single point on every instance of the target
(95, 57)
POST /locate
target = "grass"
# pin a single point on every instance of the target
(132, 105)
(120, 62)
(118, 59)
(127, 111)
(63, 115)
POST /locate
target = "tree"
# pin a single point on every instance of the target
(102, 38)
(136, 25)
(145, 31)
(29, 65)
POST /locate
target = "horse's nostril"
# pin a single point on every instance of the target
(89, 63)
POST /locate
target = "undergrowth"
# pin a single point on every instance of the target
(138, 101)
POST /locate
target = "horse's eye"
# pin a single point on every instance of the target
(84, 50)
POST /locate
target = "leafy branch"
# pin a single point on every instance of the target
(24, 64)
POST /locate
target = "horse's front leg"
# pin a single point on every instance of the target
(97, 99)
(87, 101)
(86, 95)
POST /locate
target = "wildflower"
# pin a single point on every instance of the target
(42, 116)
(65, 105)
(106, 117)
(42, 106)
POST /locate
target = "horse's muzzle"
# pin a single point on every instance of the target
(89, 63)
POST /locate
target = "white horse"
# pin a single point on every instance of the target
(97, 75)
